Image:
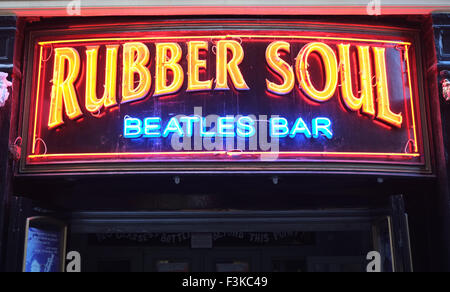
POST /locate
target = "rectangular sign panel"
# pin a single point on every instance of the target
(45, 243)
(224, 96)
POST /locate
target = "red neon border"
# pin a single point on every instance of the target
(216, 154)
(294, 154)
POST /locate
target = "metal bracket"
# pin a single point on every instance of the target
(15, 149)
(445, 74)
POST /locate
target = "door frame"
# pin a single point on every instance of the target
(230, 221)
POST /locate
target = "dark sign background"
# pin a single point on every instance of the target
(353, 132)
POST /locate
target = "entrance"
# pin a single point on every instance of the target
(246, 241)
(297, 252)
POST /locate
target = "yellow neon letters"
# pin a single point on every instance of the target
(281, 67)
(225, 67)
(63, 90)
(366, 99)
(93, 104)
(135, 59)
(194, 66)
(331, 71)
(384, 111)
(164, 63)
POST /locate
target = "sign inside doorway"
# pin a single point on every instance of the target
(45, 244)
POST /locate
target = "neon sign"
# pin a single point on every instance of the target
(153, 97)
(227, 127)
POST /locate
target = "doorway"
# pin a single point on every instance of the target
(300, 241)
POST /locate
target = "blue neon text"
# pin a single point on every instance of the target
(226, 127)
